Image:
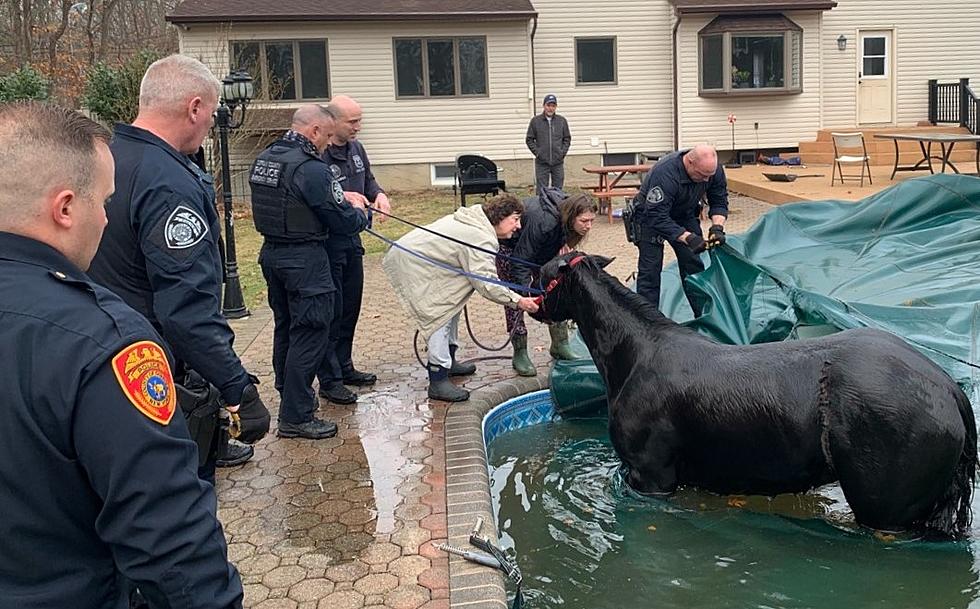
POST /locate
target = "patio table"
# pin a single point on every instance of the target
(946, 142)
(609, 183)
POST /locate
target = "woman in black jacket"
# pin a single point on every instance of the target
(552, 224)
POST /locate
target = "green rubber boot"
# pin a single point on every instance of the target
(560, 349)
(521, 362)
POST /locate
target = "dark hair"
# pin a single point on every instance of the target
(499, 207)
(571, 208)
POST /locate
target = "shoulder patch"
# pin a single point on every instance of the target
(655, 195)
(144, 375)
(338, 192)
(184, 228)
(336, 172)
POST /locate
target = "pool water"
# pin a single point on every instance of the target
(584, 540)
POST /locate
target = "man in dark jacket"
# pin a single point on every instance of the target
(548, 139)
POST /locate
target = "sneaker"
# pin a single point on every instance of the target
(315, 429)
(359, 379)
(338, 394)
(235, 453)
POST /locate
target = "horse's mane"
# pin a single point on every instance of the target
(630, 300)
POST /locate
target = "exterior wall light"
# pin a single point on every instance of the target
(842, 43)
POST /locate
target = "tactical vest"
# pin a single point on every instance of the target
(278, 210)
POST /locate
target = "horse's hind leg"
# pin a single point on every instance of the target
(885, 457)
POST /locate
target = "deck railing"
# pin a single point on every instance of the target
(954, 102)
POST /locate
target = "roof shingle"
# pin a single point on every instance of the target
(208, 11)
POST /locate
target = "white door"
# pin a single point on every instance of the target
(876, 78)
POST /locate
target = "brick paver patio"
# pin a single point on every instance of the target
(351, 521)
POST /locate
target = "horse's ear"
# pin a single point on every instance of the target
(602, 261)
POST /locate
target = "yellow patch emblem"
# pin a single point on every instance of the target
(144, 374)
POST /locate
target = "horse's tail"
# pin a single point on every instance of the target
(952, 513)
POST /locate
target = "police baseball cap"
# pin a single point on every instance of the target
(550, 99)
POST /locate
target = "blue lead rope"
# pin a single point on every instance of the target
(494, 280)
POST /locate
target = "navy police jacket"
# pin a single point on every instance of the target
(350, 166)
(99, 475)
(160, 254)
(668, 200)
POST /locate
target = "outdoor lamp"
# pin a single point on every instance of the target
(842, 43)
(236, 92)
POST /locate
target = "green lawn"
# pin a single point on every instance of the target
(420, 207)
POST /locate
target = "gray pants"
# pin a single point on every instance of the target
(439, 343)
(543, 173)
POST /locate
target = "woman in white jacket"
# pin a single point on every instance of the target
(435, 295)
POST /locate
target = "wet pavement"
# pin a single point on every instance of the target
(351, 521)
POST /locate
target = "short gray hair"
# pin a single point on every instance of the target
(170, 82)
(43, 146)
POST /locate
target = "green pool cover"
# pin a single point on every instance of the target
(906, 260)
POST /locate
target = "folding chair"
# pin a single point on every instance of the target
(849, 148)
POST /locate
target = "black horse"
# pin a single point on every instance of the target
(861, 407)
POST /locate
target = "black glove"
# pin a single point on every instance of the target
(716, 235)
(696, 243)
(253, 415)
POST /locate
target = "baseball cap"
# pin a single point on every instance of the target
(550, 99)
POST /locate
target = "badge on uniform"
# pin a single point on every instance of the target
(184, 228)
(338, 192)
(144, 375)
(336, 172)
(358, 163)
(655, 195)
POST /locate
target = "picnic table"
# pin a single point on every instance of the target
(946, 142)
(611, 183)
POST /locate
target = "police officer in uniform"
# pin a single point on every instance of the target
(349, 164)
(667, 209)
(296, 203)
(160, 252)
(99, 474)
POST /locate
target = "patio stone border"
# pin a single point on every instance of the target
(473, 586)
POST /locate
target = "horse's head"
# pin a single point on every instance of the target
(553, 304)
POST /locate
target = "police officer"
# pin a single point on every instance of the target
(349, 164)
(296, 203)
(160, 252)
(99, 475)
(667, 209)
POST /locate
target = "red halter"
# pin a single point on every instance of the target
(554, 282)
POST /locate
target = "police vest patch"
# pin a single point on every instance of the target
(184, 228)
(338, 192)
(266, 173)
(656, 195)
(144, 375)
(358, 163)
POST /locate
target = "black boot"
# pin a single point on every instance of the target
(440, 388)
(234, 453)
(353, 376)
(337, 393)
(457, 368)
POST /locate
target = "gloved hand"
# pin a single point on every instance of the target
(716, 235)
(253, 415)
(696, 243)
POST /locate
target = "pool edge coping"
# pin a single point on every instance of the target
(473, 586)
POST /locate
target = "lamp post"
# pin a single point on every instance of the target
(236, 92)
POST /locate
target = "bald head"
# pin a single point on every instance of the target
(348, 113)
(315, 122)
(701, 162)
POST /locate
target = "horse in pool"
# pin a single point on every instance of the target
(860, 407)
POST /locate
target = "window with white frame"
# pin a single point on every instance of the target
(284, 70)
(443, 174)
(758, 55)
(440, 67)
(595, 61)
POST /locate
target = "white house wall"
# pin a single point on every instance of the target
(636, 113)
(398, 131)
(933, 40)
(784, 120)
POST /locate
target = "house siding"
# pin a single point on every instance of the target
(783, 120)
(636, 113)
(404, 131)
(932, 40)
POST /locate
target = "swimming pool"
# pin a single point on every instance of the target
(583, 539)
